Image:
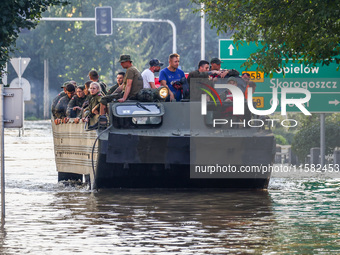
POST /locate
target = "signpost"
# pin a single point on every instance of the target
(322, 81)
(25, 85)
(19, 65)
(11, 102)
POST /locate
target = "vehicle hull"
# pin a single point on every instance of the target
(180, 152)
(134, 161)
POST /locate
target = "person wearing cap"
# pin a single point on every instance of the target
(132, 84)
(170, 75)
(61, 107)
(246, 77)
(215, 64)
(74, 83)
(148, 74)
(94, 76)
(57, 98)
(74, 107)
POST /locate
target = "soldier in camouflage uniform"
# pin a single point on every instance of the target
(92, 110)
(57, 98)
(132, 84)
(85, 102)
(93, 75)
(75, 105)
(61, 107)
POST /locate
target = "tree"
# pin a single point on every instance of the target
(15, 16)
(72, 48)
(305, 31)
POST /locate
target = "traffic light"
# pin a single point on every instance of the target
(103, 20)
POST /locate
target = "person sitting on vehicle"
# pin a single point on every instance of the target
(132, 84)
(227, 96)
(201, 72)
(94, 76)
(87, 88)
(93, 108)
(252, 85)
(86, 101)
(61, 107)
(57, 98)
(148, 74)
(246, 77)
(119, 79)
(87, 93)
(216, 71)
(74, 84)
(170, 77)
(200, 77)
(76, 103)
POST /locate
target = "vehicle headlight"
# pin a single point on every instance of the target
(163, 92)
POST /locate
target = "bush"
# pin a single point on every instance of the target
(287, 135)
(280, 140)
(309, 137)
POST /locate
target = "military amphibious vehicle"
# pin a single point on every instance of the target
(166, 145)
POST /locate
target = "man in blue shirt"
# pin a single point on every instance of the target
(169, 75)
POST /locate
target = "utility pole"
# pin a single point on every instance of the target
(322, 140)
(2, 146)
(202, 32)
(46, 90)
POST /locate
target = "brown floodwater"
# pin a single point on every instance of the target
(294, 216)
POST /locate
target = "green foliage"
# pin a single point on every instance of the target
(309, 137)
(72, 48)
(306, 31)
(288, 135)
(280, 140)
(15, 16)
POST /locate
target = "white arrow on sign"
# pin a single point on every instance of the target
(335, 102)
(231, 48)
(20, 64)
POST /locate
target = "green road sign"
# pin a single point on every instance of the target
(322, 81)
(319, 103)
(228, 50)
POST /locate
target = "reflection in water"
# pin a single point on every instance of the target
(295, 216)
(170, 221)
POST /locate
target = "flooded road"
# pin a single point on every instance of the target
(295, 216)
